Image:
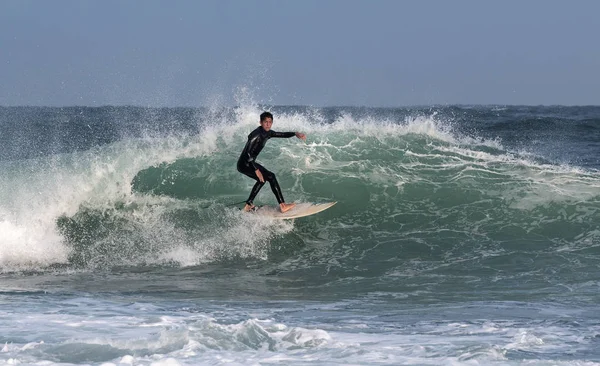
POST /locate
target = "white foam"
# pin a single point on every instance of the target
(39, 191)
(169, 361)
(22, 247)
(167, 336)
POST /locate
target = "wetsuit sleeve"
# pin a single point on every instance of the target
(285, 135)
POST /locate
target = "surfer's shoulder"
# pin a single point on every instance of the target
(256, 132)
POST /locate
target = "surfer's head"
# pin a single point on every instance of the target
(266, 120)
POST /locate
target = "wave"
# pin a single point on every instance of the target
(408, 188)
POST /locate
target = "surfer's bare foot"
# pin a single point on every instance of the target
(249, 207)
(285, 207)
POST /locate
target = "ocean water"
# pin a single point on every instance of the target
(463, 235)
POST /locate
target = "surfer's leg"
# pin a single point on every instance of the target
(270, 177)
(257, 186)
(249, 172)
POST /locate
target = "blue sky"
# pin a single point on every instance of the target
(309, 52)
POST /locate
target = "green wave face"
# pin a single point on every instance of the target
(407, 191)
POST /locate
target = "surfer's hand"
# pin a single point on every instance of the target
(301, 136)
(259, 175)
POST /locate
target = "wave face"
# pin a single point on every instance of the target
(455, 197)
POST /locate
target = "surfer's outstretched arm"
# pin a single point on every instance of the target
(284, 135)
(287, 135)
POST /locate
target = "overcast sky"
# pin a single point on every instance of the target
(302, 52)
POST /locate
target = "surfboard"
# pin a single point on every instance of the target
(300, 210)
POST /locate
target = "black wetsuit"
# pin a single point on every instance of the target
(247, 162)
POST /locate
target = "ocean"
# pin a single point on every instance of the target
(463, 235)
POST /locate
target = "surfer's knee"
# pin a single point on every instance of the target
(269, 177)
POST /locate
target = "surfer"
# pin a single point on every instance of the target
(247, 164)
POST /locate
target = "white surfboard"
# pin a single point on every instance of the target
(300, 210)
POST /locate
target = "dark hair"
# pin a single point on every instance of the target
(265, 115)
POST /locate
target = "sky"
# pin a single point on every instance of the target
(310, 52)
